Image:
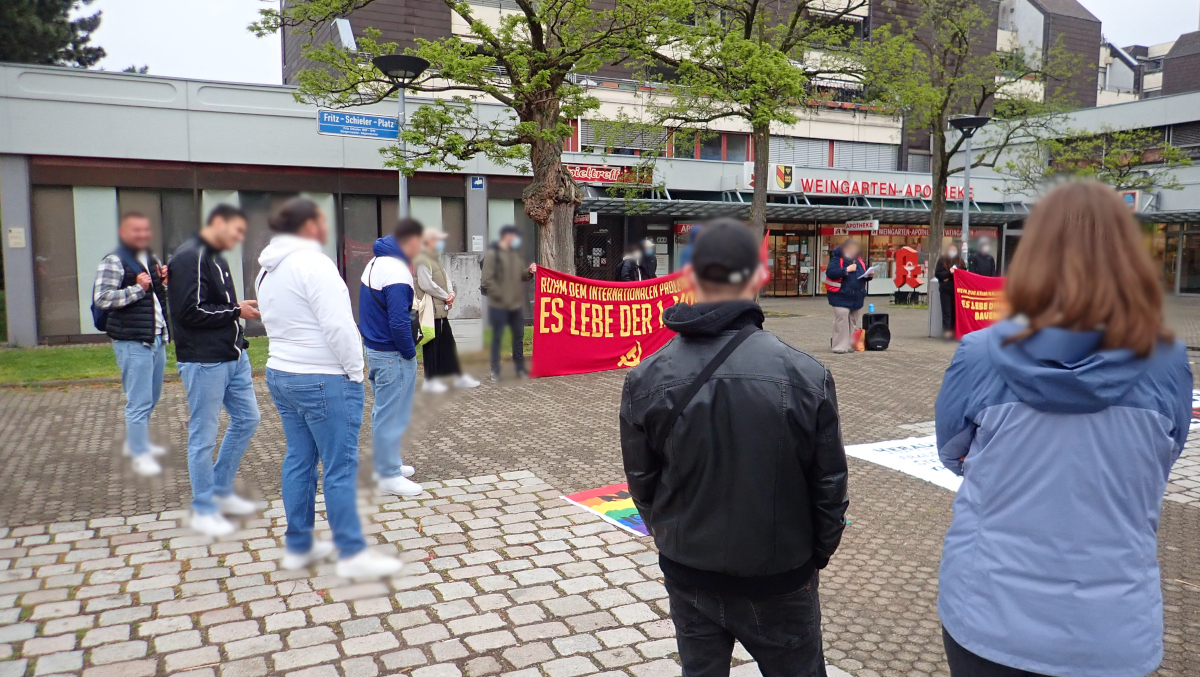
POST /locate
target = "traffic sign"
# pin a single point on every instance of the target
(343, 123)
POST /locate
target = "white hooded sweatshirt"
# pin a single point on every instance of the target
(306, 309)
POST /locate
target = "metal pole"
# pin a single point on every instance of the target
(966, 215)
(401, 121)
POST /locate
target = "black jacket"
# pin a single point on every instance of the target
(204, 309)
(752, 479)
(649, 266)
(983, 264)
(629, 270)
(945, 276)
(136, 322)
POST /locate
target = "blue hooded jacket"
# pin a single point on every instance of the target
(854, 287)
(385, 300)
(1050, 563)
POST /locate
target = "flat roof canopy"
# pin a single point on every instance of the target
(832, 214)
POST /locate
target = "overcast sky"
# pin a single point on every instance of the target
(208, 40)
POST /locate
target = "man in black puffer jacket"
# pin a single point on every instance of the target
(745, 492)
(131, 297)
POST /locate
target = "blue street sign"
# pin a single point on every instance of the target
(342, 123)
(476, 183)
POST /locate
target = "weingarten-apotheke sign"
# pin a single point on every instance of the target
(611, 174)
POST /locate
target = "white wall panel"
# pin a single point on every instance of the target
(95, 236)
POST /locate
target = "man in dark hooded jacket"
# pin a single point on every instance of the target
(740, 477)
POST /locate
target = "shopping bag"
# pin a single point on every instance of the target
(425, 310)
(860, 339)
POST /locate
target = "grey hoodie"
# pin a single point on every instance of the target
(1050, 563)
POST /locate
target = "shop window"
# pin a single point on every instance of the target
(180, 219)
(454, 223)
(685, 143)
(56, 277)
(360, 223)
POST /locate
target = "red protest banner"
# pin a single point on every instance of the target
(583, 325)
(979, 302)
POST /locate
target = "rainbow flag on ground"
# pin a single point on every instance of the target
(614, 504)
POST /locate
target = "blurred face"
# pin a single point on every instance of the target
(507, 240)
(435, 245)
(315, 228)
(225, 234)
(850, 250)
(135, 232)
(411, 246)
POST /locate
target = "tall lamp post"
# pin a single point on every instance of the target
(401, 69)
(967, 125)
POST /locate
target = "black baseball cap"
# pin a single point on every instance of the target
(725, 252)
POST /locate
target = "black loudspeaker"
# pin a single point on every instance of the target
(878, 335)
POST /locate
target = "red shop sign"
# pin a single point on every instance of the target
(610, 174)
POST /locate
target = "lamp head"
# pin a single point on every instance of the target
(401, 69)
(969, 124)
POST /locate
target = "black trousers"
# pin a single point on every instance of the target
(947, 294)
(514, 320)
(782, 633)
(963, 663)
(441, 354)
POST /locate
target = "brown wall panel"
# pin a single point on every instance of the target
(67, 171)
(1181, 74)
(1081, 39)
(506, 188)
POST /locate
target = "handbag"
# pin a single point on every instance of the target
(426, 319)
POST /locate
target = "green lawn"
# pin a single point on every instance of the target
(506, 342)
(53, 363)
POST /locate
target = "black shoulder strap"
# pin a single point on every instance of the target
(702, 378)
(371, 289)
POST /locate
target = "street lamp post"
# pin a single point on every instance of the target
(401, 69)
(967, 125)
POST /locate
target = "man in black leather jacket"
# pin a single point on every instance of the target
(746, 499)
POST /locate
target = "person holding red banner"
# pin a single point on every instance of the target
(733, 451)
(944, 273)
(1064, 422)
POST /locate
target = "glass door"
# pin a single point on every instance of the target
(1189, 264)
(789, 257)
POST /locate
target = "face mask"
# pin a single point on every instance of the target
(649, 251)
(516, 244)
(440, 246)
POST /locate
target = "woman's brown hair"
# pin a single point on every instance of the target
(1083, 265)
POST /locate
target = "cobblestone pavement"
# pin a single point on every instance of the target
(503, 576)
(879, 593)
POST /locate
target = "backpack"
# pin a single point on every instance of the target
(100, 315)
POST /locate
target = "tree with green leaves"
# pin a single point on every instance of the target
(943, 62)
(42, 32)
(751, 61)
(1126, 159)
(529, 61)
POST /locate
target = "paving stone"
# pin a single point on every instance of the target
(631, 614)
(658, 648)
(253, 646)
(317, 671)
(67, 661)
(40, 646)
(451, 649)
(229, 632)
(206, 655)
(620, 637)
(403, 659)
(361, 626)
(381, 641)
(298, 658)
(140, 668)
(615, 658)
(116, 653)
(359, 667)
(490, 640)
(283, 621)
(407, 620)
(484, 665)
(439, 670)
(660, 668)
(249, 667)
(471, 624)
(298, 639)
(568, 606)
(577, 644)
(569, 667)
(593, 621)
(187, 639)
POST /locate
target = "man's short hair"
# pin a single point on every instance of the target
(131, 215)
(224, 212)
(408, 228)
(509, 229)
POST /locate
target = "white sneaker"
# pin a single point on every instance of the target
(155, 450)
(320, 550)
(146, 466)
(434, 387)
(399, 486)
(369, 564)
(465, 381)
(234, 505)
(214, 525)
(405, 471)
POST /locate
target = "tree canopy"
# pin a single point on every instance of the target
(42, 32)
(1127, 159)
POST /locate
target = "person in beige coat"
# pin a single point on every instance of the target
(440, 353)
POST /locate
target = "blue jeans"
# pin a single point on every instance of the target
(393, 381)
(209, 385)
(321, 414)
(142, 366)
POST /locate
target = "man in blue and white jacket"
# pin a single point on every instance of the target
(384, 303)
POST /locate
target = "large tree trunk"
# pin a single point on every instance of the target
(551, 199)
(937, 223)
(761, 138)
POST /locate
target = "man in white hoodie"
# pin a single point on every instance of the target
(315, 374)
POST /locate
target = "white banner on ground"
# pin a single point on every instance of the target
(917, 456)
